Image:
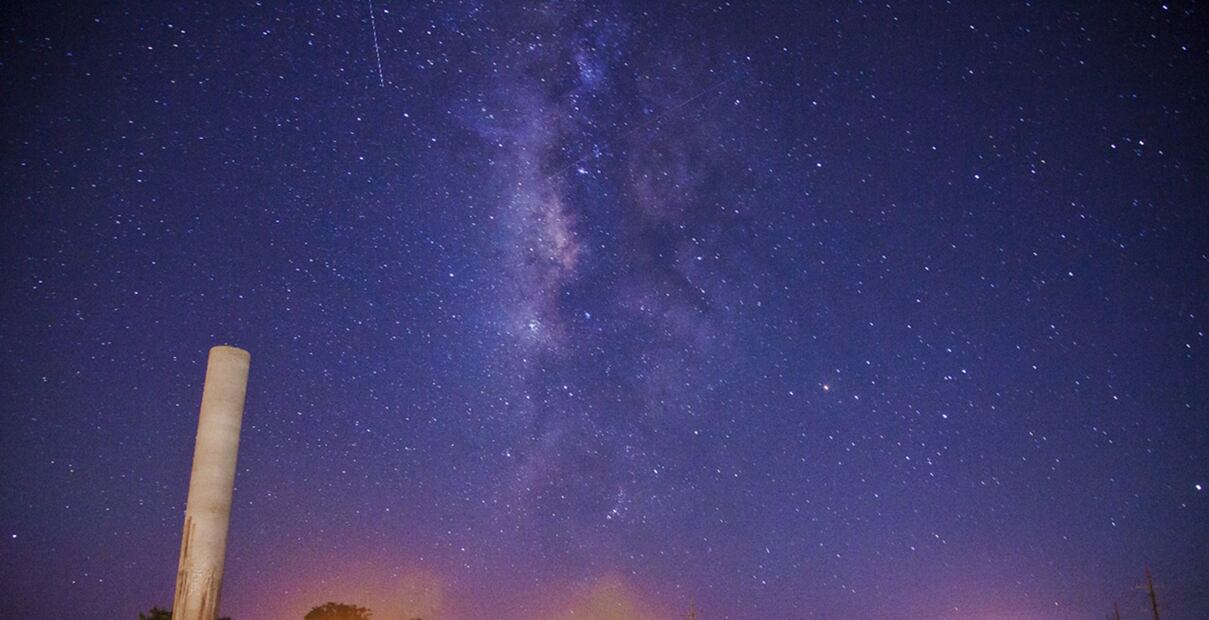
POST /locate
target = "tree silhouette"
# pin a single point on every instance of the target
(339, 611)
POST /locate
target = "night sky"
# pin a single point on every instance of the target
(597, 310)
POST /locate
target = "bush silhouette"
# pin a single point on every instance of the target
(162, 614)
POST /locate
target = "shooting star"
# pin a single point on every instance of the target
(377, 53)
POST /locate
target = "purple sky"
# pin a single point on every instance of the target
(594, 310)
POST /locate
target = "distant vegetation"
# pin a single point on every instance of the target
(339, 611)
(327, 611)
(162, 614)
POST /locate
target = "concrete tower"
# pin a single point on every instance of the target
(208, 511)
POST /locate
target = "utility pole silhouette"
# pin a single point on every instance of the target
(1154, 599)
(1149, 588)
(692, 611)
(1116, 610)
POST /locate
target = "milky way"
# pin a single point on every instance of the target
(595, 232)
(608, 310)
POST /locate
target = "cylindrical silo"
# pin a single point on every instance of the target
(208, 511)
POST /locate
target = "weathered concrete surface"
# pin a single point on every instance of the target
(208, 511)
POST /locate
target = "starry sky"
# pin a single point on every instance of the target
(600, 310)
